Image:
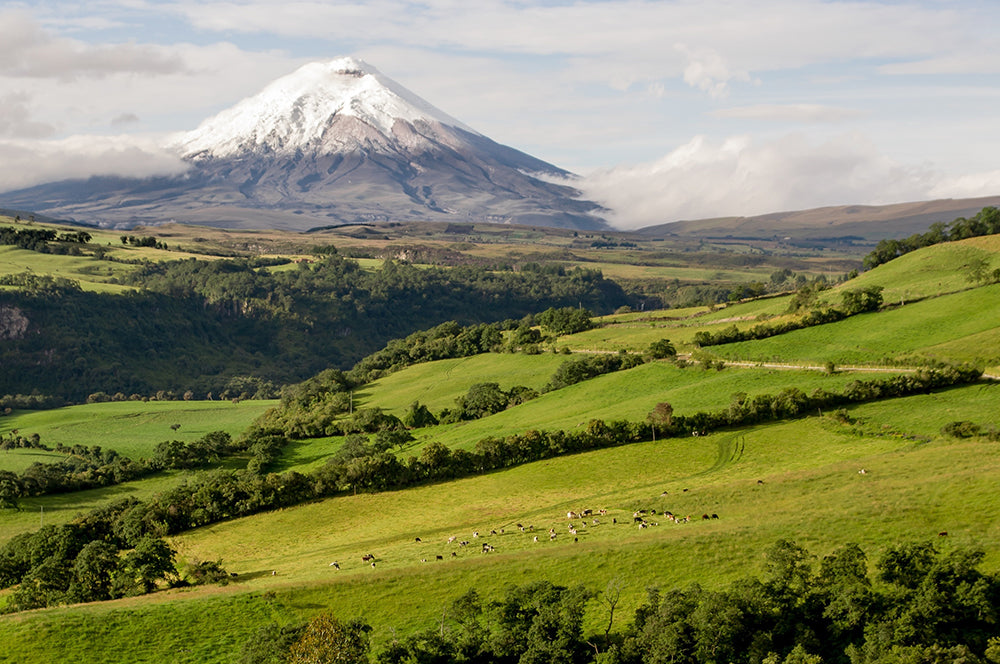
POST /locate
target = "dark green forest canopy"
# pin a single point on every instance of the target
(196, 325)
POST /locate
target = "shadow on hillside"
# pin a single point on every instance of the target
(243, 577)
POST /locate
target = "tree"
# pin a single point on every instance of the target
(978, 270)
(419, 416)
(10, 490)
(661, 349)
(662, 414)
(93, 571)
(860, 300)
(139, 571)
(327, 640)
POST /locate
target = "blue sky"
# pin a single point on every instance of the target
(667, 109)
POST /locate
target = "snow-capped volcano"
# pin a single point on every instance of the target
(306, 110)
(333, 142)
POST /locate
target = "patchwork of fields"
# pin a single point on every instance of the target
(870, 473)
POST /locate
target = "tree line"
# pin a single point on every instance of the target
(92, 467)
(853, 302)
(194, 325)
(915, 604)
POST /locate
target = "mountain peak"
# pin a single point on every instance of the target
(327, 107)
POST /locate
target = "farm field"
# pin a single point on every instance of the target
(938, 328)
(876, 474)
(132, 428)
(811, 491)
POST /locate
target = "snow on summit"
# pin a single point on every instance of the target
(332, 106)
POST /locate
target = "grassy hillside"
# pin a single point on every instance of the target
(811, 492)
(133, 428)
(792, 479)
(957, 327)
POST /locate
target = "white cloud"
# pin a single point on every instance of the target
(31, 52)
(15, 120)
(708, 71)
(807, 113)
(23, 164)
(740, 176)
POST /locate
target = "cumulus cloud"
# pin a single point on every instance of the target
(15, 118)
(24, 164)
(29, 51)
(707, 70)
(741, 176)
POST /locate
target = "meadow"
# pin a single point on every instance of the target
(798, 479)
(131, 428)
(938, 328)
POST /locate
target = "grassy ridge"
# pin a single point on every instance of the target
(941, 268)
(958, 327)
(811, 493)
(794, 480)
(132, 428)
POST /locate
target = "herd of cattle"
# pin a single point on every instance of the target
(578, 522)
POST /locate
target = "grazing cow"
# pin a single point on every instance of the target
(862, 472)
(373, 565)
(705, 517)
(452, 539)
(614, 521)
(493, 532)
(570, 515)
(439, 557)
(603, 512)
(536, 538)
(368, 556)
(760, 481)
(423, 560)
(274, 572)
(552, 536)
(715, 516)
(943, 533)
(416, 539)
(335, 564)
(454, 555)
(233, 574)
(586, 512)
(475, 534)
(637, 519)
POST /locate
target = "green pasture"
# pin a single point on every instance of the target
(636, 330)
(957, 327)
(92, 274)
(625, 270)
(624, 395)
(795, 480)
(131, 428)
(941, 268)
(64, 507)
(926, 414)
(438, 384)
(17, 460)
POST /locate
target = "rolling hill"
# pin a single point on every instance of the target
(778, 479)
